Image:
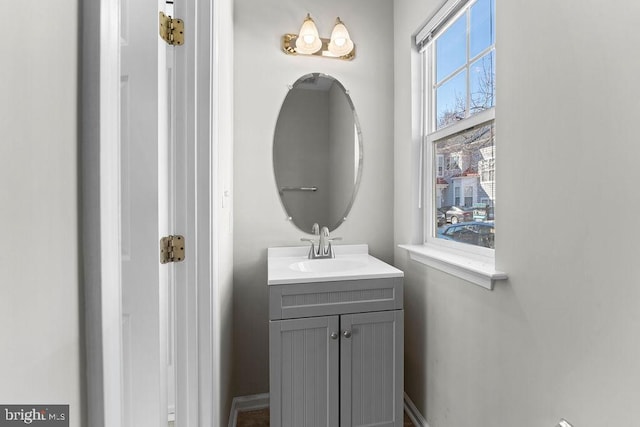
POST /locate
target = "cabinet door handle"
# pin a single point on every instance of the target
(347, 334)
(334, 335)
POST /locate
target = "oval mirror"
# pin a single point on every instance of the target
(317, 152)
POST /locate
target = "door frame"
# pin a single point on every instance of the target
(99, 174)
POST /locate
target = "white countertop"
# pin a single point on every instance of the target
(282, 264)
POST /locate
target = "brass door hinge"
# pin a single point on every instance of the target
(171, 30)
(171, 249)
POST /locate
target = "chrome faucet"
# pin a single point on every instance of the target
(324, 248)
(322, 239)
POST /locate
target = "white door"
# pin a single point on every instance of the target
(145, 197)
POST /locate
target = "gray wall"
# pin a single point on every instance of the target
(341, 152)
(560, 337)
(40, 360)
(302, 151)
(262, 73)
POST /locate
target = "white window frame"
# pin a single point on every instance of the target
(429, 238)
(473, 263)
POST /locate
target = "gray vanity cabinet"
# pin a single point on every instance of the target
(304, 364)
(342, 369)
(371, 369)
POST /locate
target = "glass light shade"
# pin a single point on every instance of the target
(308, 40)
(340, 44)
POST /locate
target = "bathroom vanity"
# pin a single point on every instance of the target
(335, 339)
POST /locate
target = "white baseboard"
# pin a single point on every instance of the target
(247, 403)
(413, 413)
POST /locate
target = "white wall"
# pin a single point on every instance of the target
(223, 87)
(262, 73)
(40, 360)
(560, 337)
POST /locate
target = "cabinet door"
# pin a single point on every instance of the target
(304, 372)
(371, 369)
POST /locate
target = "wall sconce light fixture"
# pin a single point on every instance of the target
(309, 42)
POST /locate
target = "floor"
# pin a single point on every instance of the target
(260, 418)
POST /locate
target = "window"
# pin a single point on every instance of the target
(468, 195)
(458, 128)
(452, 161)
(487, 170)
(459, 114)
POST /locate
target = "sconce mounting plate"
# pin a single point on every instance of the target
(289, 47)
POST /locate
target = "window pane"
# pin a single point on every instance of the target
(466, 194)
(451, 49)
(482, 31)
(451, 100)
(482, 84)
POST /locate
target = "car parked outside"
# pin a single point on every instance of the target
(456, 214)
(473, 233)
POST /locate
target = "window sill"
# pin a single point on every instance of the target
(476, 269)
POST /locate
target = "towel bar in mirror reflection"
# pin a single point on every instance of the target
(312, 188)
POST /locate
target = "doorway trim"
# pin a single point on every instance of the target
(99, 86)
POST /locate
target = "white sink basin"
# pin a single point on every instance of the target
(330, 265)
(287, 265)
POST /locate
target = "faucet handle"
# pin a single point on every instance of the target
(312, 249)
(315, 229)
(325, 233)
